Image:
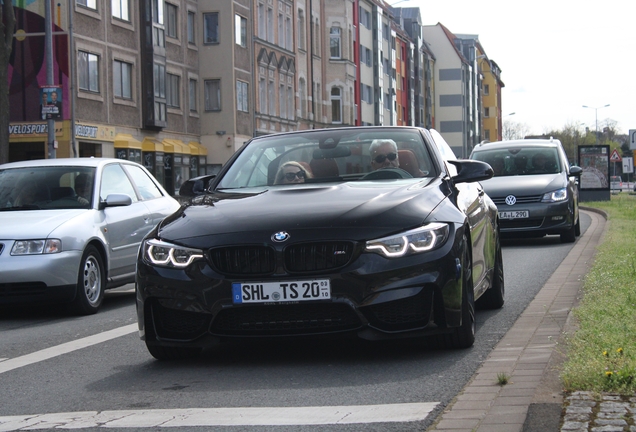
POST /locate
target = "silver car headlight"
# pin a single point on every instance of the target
(423, 239)
(164, 254)
(555, 196)
(36, 247)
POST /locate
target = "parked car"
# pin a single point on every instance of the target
(534, 187)
(616, 184)
(331, 232)
(71, 228)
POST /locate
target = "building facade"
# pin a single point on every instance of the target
(181, 85)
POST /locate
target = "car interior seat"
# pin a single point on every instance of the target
(408, 162)
(322, 168)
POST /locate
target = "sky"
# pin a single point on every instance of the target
(555, 57)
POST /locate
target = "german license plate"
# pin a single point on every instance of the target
(516, 214)
(293, 291)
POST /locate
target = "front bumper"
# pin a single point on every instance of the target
(372, 297)
(544, 218)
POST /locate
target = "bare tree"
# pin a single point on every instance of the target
(7, 26)
(513, 130)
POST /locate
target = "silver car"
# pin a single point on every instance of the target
(71, 228)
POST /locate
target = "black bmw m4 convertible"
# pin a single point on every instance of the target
(372, 232)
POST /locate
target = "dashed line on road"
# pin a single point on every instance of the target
(265, 416)
(45, 354)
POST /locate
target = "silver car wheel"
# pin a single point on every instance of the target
(92, 280)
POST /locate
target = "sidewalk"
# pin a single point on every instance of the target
(532, 401)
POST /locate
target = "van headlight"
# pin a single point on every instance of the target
(423, 239)
(165, 254)
(555, 196)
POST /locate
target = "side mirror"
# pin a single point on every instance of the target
(576, 171)
(469, 171)
(116, 200)
(196, 186)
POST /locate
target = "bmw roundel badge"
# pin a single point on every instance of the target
(280, 236)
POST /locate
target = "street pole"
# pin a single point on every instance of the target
(48, 41)
(596, 117)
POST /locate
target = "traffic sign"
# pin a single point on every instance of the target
(632, 139)
(628, 165)
(615, 157)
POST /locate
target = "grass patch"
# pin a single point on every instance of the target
(601, 354)
(503, 378)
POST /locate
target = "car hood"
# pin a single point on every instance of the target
(34, 224)
(538, 184)
(356, 210)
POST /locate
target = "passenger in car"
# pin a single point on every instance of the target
(384, 154)
(521, 164)
(291, 172)
(83, 189)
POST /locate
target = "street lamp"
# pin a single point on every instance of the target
(596, 115)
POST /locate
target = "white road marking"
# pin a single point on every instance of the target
(65, 348)
(267, 416)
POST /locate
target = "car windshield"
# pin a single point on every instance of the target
(516, 161)
(329, 155)
(53, 187)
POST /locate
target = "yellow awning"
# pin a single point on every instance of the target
(126, 141)
(175, 146)
(151, 145)
(197, 149)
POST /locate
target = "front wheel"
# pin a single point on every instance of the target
(569, 235)
(90, 283)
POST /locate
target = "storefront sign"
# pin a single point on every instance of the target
(28, 129)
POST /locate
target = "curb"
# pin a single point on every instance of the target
(528, 354)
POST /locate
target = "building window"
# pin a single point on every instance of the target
(301, 29)
(270, 25)
(213, 95)
(173, 91)
(486, 112)
(365, 17)
(88, 71)
(302, 91)
(262, 26)
(158, 31)
(92, 4)
(160, 91)
(365, 56)
(211, 27)
(336, 105)
(486, 89)
(241, 96)
(171, 20)
(122, 79)
(191, 22)
(281, 30)
(366, 93)
(334, 42)
(240, 29)
(192, 90)
(290, 103)
(289, 32)
(262, 95)
(487, 137)
(271, 93)
(282, 100)
(120, 9)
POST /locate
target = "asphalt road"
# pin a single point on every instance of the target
(43, 373)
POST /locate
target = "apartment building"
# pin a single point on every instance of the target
(181, 85)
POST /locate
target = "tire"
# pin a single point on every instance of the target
(464, 335)
(569, 235)
(494, 297)
(91, 279)
(172, 353)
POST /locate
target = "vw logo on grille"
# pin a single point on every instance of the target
(511, 200)
(280, 236)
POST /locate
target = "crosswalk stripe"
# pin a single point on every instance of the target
(265, 416)
(65, 348)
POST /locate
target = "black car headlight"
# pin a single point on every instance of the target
(36, 247)
(164, 254)
(423, 239)
(555, 196)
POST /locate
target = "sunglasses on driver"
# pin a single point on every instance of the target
(290, 176)
(381, 158)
